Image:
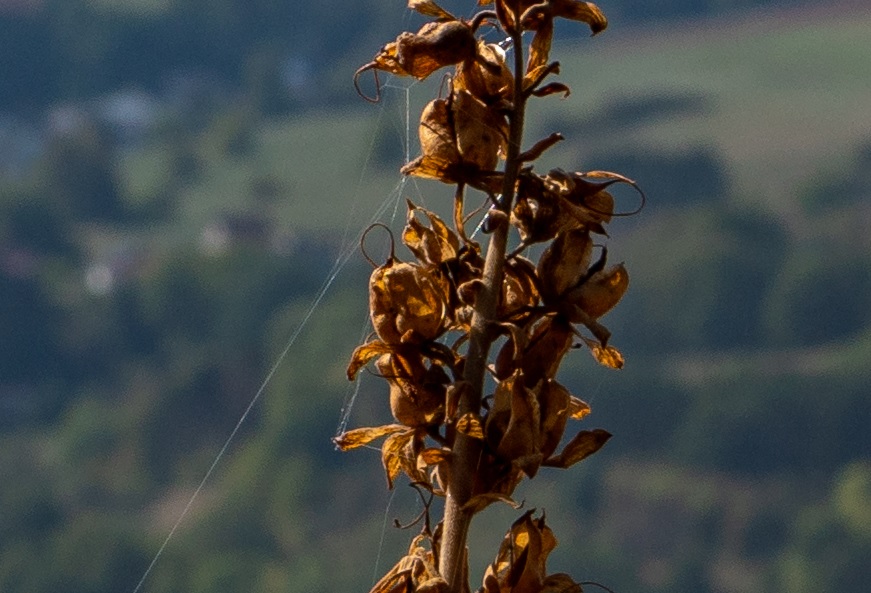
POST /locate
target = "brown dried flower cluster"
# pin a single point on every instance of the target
(435, 314)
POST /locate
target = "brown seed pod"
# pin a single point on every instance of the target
(408, 303)
(564, 263)
(599, 294)
(417, 393)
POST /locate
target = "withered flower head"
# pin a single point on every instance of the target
(438, 317)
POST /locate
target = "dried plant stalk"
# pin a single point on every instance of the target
(446, 440)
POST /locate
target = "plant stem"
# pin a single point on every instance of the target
(466, 451)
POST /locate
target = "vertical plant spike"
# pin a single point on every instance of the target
(458, 435)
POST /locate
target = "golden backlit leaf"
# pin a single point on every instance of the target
(550, 339)
(392, 454)
(363, 354)
(358, 437)
(578, 409)
(520, 441)
(470, 425)
(432, 456)
(584, 444)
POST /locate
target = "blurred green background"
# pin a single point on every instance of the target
(180, 179)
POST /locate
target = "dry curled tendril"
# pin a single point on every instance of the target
(421, 309)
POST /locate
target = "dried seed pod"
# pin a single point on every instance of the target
(408, 303)
(599, 294)
(417, 393)
(434, 46)
(564, 263)
(519, 289)
(487, 77)
(513, 425)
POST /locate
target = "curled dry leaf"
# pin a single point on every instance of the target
(415, 570)
(514, 433)
(460, 140)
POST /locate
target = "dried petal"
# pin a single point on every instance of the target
(606, 355)
(582, 446)
(552, 88)
(431, 245)
(417, 393)
(520, 565)
(585, 12)
(392, 452)
(578, 409)
(363, 436)
(363, 354)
